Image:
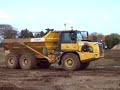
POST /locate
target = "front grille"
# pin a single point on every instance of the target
(100, 49)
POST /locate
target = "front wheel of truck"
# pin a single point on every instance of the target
(27, 61)
(70, 62)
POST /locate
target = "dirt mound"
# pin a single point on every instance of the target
(1, 49)
(116, 47)
(112, 54)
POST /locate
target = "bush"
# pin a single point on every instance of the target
(112, 40)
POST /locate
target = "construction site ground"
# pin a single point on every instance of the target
(103, 74)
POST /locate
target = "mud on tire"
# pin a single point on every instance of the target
(70, 62)
(12, 61)
(27, 61)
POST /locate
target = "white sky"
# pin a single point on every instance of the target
(102, 16)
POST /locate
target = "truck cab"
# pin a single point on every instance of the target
(78, 41)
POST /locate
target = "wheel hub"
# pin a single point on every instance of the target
(25, 61)
(69, 62)
(12, 61)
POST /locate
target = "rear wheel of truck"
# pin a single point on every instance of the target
(27, 61)
(70, 62)
(12, 61)
(84, 65)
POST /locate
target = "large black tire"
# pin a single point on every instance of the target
(43, 65)
(27, 61)
(70, 62)
(84, 65)
(12, 61)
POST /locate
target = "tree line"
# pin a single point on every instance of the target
(9, 32)
(108, 40)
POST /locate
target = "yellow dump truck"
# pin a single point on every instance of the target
(70, 49)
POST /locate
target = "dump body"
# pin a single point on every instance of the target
(40, 47)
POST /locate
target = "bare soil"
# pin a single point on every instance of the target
(103, 74)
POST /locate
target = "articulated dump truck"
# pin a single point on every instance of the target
(70, 49)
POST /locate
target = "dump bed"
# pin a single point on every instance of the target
(37, 46)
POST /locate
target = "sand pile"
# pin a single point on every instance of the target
(116, 47)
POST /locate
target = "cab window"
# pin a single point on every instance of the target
(68, 37)
(79, 36)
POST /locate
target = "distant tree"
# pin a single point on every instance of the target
(7, 31)
(7, 34)
(39, 34)
(25, 33)
(93, 37)
(48, 30)
(112, 40)
(100, 37)
(107, 41)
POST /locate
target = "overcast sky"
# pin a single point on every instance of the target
(102, 16)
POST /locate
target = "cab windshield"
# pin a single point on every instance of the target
(81, 35)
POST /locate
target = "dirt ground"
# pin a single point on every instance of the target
(103, 74)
